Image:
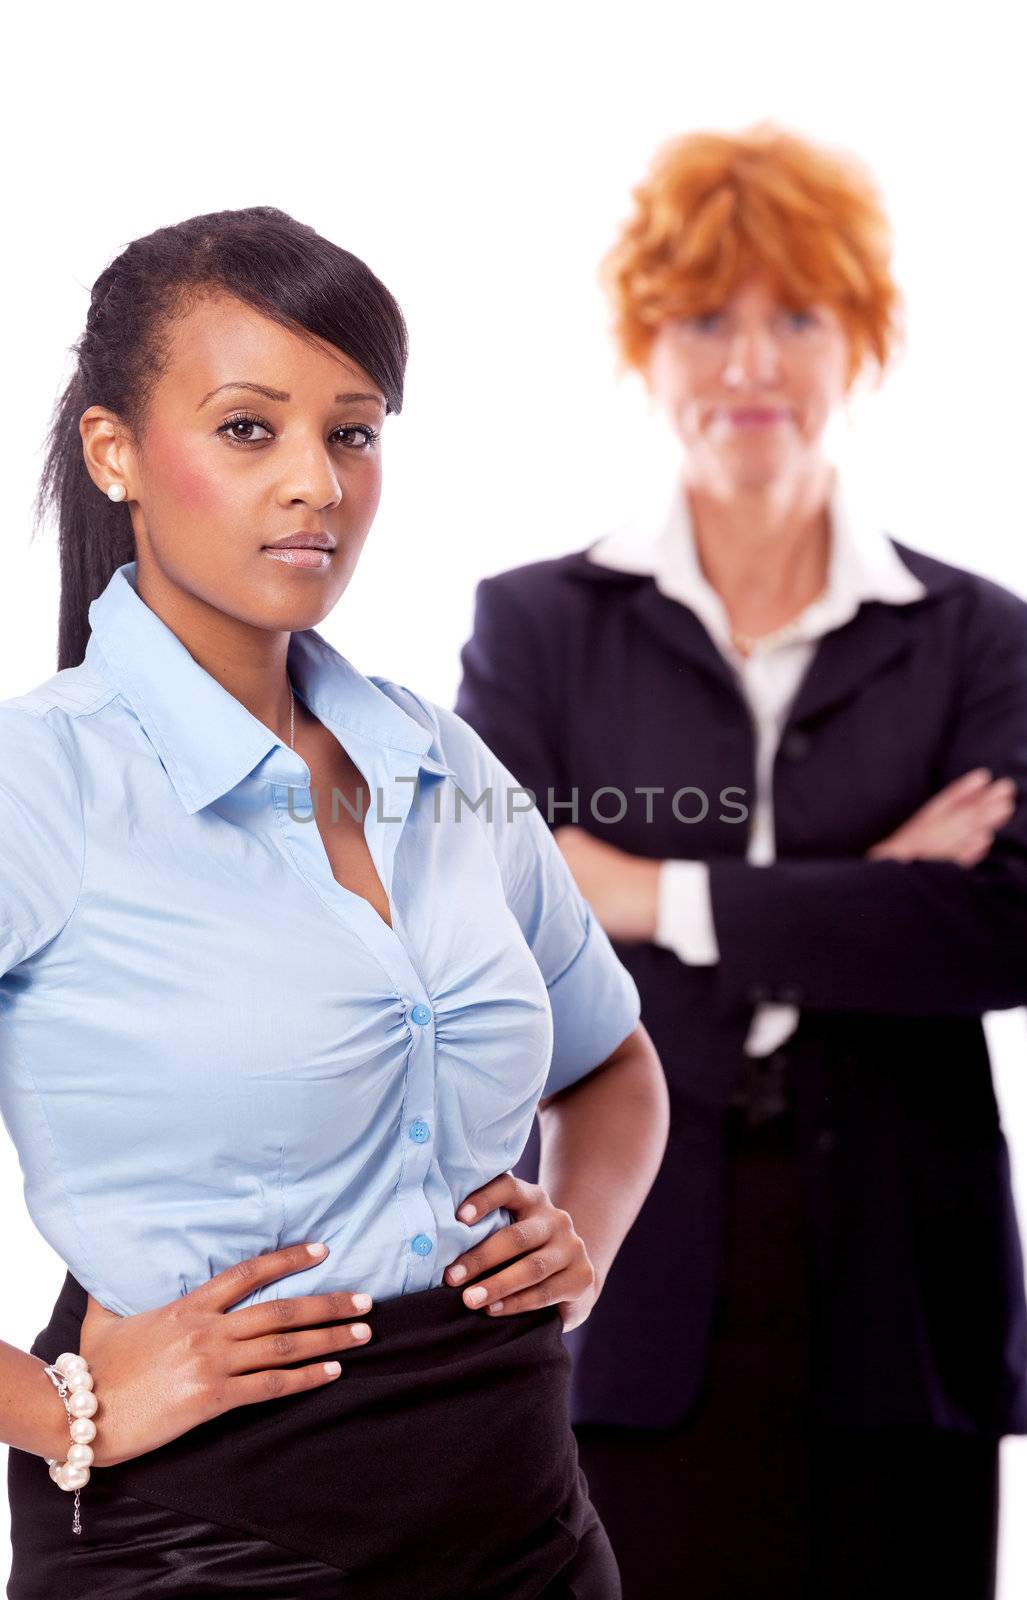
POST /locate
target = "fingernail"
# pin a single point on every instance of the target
(362, 1302)
(360, 1330)
(497, 1305)
(333, 1368)
(467, 1213)
(317, 1249)
(457, 1274)
(474, 1297)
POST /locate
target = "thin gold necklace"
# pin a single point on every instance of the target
(748, 641)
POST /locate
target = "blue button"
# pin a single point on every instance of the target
(421, 1014)
(419, 1132)
(421, 1244)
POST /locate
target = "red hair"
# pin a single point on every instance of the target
(717, 207)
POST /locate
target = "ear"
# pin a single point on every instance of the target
(106, 450)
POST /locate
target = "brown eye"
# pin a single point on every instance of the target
(369, 436)
(227, 428)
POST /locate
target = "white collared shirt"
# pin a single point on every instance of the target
(862, 565)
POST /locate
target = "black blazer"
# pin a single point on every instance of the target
(580, 677)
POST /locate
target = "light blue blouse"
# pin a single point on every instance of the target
(208, 1047)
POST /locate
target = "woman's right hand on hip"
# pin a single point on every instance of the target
(159, 1373)
(957, 824)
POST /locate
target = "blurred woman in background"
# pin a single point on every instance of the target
(782, 752)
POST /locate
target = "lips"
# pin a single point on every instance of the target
(754, 416)
(311, 549)
(303, 541)
(299, 555)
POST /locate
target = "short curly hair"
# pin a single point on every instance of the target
(717, 207)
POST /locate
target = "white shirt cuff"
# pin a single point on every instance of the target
(684, 913)
(771, 1025)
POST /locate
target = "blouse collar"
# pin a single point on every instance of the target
(207, 740)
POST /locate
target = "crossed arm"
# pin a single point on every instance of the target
(940, 929)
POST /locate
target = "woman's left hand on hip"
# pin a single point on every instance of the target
(555, 1268)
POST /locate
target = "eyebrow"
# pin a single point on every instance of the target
(280, 394)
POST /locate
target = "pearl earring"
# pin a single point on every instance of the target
(116, 491)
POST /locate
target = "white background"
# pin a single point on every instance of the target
(479, 158)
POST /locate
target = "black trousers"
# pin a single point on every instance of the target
(747, 1497)
(441, 1465)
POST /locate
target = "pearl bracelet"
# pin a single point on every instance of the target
(73, 1381)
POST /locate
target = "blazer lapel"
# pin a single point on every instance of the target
(844, 659)
(847, 657)
(680, 629)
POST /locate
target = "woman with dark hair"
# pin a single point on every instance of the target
(265, 1077)
(811, 853)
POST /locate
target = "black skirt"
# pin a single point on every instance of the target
(441, 1465)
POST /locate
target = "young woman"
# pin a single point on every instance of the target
(817, 875)
(266, 1078)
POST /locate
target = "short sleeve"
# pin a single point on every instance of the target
(41, 835)
(594, 999)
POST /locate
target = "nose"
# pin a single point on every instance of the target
(752, 357)
(310, 476)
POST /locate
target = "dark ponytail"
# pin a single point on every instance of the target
(262, 256)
